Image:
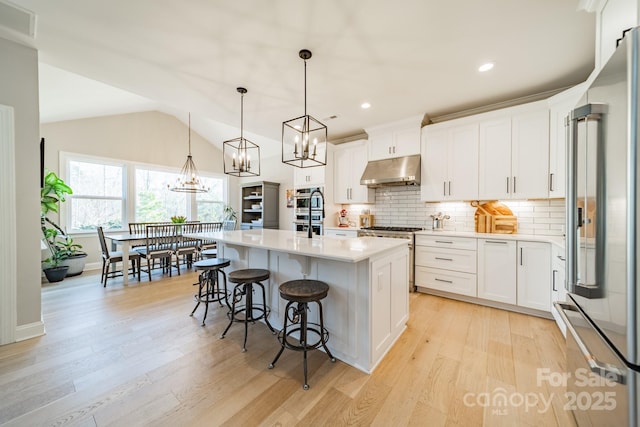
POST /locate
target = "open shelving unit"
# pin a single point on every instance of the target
(260, 205)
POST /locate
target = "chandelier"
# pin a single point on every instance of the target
(189, 180)
(304, 139)
(241, 157)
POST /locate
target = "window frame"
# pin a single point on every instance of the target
(129, 187)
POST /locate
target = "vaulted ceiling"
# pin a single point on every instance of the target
(406, 57)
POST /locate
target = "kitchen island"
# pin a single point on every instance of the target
(367, 307)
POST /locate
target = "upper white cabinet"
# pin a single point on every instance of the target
(560, 106)
(449, 162)
(350, 160)
(309, 177)
(615, 17)
(534, 278)
(514, 153)
(396, 139)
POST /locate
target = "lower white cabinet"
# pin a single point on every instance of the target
(389, 301)
(446, 264)
(340, 232)
(534, 275)
(497, 270)
(558, 289)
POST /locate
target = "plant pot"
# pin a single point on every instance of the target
(56, 274)
(75, 263)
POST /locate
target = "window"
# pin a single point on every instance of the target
(101, 194)
(154, 201)
(210, 206)
(98, 195)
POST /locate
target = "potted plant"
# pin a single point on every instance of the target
(64, 251)
(230, 218)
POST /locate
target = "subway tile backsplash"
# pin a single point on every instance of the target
(401, 206)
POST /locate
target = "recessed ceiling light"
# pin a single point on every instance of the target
(365, 105)
(485, 67)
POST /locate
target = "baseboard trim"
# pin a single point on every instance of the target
(93, 266)
(30, 330)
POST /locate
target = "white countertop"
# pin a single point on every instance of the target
(556, 240)
(347, 250)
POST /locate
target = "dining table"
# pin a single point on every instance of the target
(125, 241)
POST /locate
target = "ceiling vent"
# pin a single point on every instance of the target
(17, 20)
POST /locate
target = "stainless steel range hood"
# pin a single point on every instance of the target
(398, 171)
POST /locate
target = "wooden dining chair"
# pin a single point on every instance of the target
(111, 258)
(187, 247)
(160, 243)
(209, 227)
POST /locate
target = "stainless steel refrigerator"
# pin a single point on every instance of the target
(603, 250)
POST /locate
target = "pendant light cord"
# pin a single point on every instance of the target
(189, 136)
(305, 87)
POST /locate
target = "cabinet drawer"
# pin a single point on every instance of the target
(447, 259)
(446, 242)
(447, 281)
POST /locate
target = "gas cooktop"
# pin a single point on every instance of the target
(403, 229)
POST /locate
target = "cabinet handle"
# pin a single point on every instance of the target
(550, 182)
(444, 259)
(507, 185)
(514, 185)
(444, 241)
(521, 256)
(560, 257)
(553, 280)
(394, 149)
(444, 188)
(449, 187)
(442, 280)
(497, 242)
(389, 150)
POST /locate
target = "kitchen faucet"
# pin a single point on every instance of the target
(310, 230)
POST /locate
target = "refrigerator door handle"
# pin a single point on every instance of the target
(605, 370)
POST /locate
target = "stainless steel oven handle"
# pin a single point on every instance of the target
(605, 370)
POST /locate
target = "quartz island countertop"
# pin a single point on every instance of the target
(326, 247)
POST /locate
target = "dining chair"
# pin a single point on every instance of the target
(160, 243)
(209, 227)
(187, 247)
(111, 258)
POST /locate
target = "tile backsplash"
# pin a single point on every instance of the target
(401, 206)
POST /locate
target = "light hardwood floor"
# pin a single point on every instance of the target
(128, 356)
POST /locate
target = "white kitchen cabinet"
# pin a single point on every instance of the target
(560, 106)
(534, 275)
(350, 160)
(309, 177)
(449, 162)
(558, 286)
(514, 153)
(497, 270)
(389, 301)
(340, 232)
(446, 264)
(396, 139)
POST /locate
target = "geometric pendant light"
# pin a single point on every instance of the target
(241, 157)
(304, 139)
(189, 180)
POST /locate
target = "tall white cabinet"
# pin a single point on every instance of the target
(350, 160)
(449, 162)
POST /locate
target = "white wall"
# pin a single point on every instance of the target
(148, 137)
(19, 89)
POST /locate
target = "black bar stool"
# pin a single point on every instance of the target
(245, 280)
(209, 283)
(301, 293)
